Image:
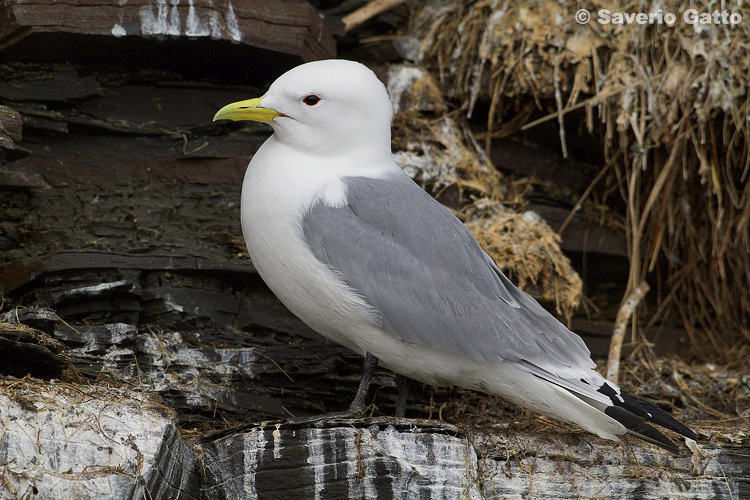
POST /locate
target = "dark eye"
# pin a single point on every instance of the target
(311, 100)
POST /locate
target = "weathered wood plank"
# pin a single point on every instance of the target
(21, 272)
(513, 156)
(667, 341)
(165, 105)
(581, 235)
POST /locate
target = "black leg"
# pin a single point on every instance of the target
(358, 404)
(402, 384)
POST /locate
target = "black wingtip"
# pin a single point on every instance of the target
(645, 411)
(653, 413)
(634, 413)
(638, 427)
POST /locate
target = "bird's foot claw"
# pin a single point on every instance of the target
(350, 413)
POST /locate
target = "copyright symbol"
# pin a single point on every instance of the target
(583, 16)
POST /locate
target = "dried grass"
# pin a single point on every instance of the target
(669, 105)
(32, 393)
(18, 332)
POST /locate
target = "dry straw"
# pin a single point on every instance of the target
(669, 105)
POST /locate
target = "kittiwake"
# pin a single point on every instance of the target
(365, 257)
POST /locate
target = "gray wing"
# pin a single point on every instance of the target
(429, 280)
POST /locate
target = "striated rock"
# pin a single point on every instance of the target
(368, 458)
(400, 458)
(567, 466)
(35, 29)
(68, 442)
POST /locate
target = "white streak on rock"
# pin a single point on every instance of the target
(233, 26)
(261, 442)
(172, 305)
(118, 31)
(277, 442)
(174, 26)
(353, 458)
(97, 289)
(368, 467)
(251, 462)
(317, 459)
(193, 25)
(166, 20)
(215, 24)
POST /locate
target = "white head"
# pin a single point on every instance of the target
(331, 107)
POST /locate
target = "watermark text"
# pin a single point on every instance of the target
(690, 16)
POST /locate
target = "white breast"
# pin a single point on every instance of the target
(278, 188)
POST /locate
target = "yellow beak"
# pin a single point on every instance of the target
(247, 110)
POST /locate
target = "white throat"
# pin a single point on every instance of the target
(292, 180)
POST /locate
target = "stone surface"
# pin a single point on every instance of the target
(59, 441)
(376, 458)
(398, 458)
